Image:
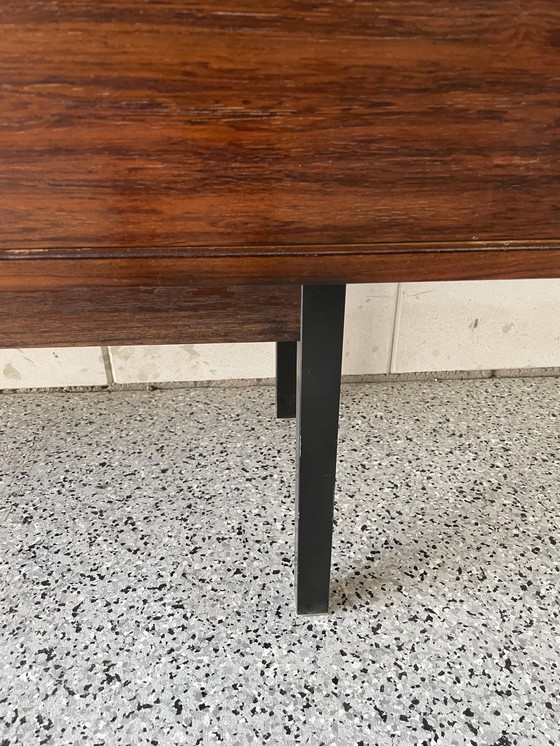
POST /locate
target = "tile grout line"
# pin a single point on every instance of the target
(108, 365)
(396, 330)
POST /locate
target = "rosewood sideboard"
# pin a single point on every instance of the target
(219, 170)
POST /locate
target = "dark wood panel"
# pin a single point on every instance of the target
(230, 122)
(29, 275)
(164, 315)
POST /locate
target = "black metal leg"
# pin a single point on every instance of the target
(286, 369)
(319, 365)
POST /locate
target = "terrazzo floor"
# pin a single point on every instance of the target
(147, 551)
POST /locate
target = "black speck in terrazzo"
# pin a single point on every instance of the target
(147, 561)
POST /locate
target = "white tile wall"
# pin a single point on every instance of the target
(368, 328)
(211, 362)
(56, 366)
(412, 328)
(477, 325)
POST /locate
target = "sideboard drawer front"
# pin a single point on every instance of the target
(164, 315)
(224, 123)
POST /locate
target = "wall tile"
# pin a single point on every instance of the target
(55, 366)
(477, 325)
(210, 362)
(370, 313)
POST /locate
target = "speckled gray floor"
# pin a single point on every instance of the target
(147, 546)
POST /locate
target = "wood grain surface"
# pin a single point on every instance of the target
(164, 315)
(237, 127)
(138, 272)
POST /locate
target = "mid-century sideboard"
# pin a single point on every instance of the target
(219, 170)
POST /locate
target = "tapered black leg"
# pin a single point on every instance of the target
(319, 365)
(286, 374)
